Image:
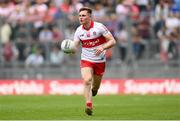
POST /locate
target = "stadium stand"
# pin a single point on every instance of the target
(147, 31)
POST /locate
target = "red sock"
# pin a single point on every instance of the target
(89, 104)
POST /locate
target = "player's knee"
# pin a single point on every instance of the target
(87, 81)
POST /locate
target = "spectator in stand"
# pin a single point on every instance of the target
(35, 59)
(37, 13)
(70, 31)
(19, 12)
(46, 39)
(45, 35)
(172, 21)
(173, 52)
(56, 57)
(121, 12)
(161, 13)
(6, 7)
(127, 10)
(50, 13)
(143, 27)
(9, 52)
(176, 6)
(133, 10)
(65, 6)
(142, 4)
(99, 13)
(57, 34)
(164, 43)
(5, 32)
(161, 10)
(122, 43)
(112, 23)
(21, 47)
(138, 46)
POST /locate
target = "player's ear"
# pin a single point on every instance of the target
(90, 15)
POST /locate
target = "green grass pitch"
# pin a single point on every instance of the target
(112, 107)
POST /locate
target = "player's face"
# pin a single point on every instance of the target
(84, 17)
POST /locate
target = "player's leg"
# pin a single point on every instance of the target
(96, 84)
(87, 76)
(99, 69)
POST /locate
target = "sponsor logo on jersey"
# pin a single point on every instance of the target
(81, 35)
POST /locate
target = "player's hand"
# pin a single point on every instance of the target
(99, 50)
(71, 51)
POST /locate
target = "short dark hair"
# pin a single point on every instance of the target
(89, 10)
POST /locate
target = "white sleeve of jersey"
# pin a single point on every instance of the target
(76, 35)
(104, 30)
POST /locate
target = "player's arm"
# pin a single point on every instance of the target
(76, 46)
(76, 41)
(110, 43)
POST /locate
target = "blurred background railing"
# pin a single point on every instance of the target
(147, 34)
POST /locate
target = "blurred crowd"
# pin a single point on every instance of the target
(31, 29)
